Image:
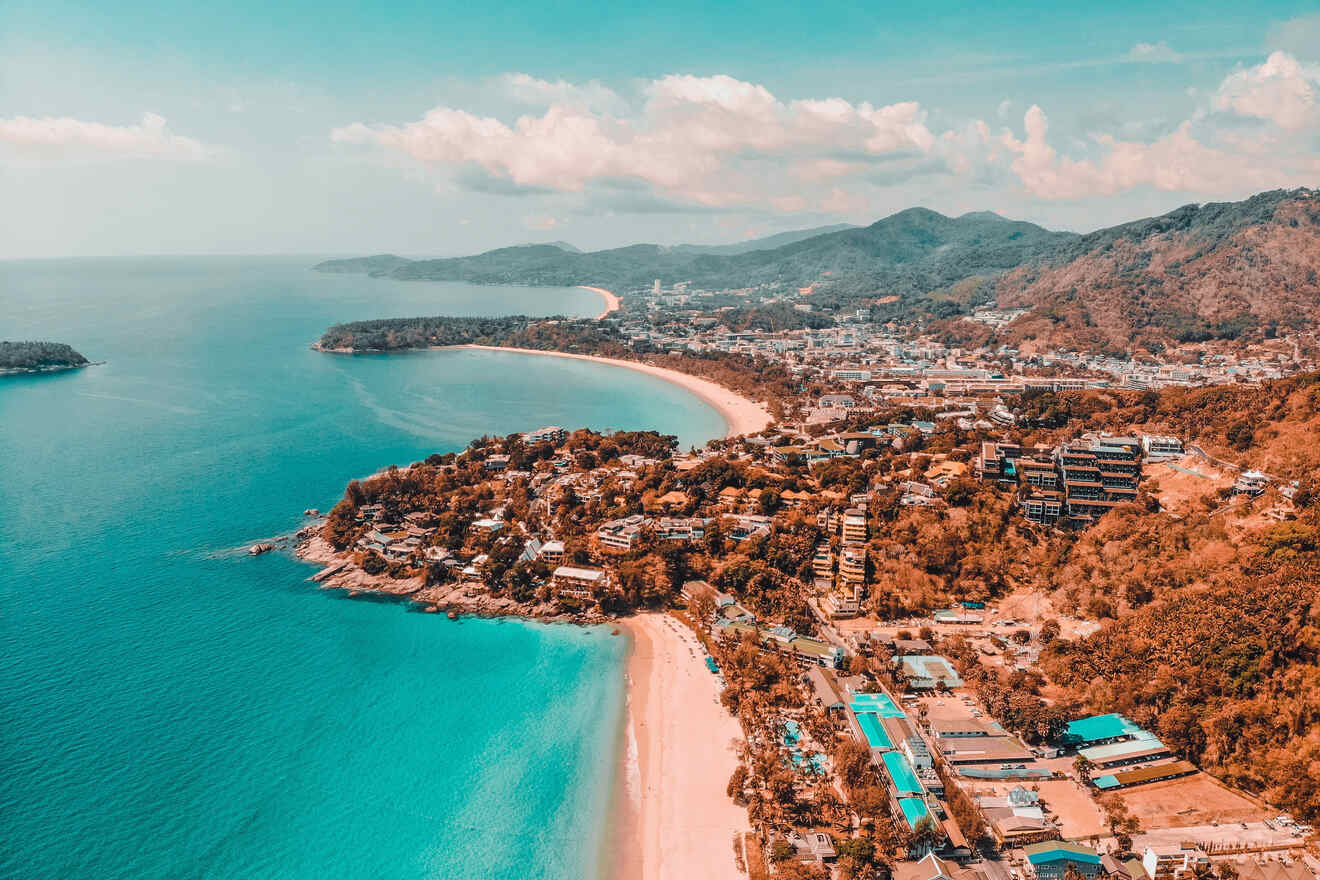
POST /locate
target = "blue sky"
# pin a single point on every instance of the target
(441, 128)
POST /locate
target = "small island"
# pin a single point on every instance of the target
(38, 357)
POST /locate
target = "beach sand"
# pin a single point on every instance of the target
(743, 416)
(611, 301)
(680, 824)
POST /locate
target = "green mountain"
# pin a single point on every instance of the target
(910, 253)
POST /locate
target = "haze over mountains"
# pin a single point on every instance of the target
(1201, 271)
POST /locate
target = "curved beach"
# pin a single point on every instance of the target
(611, 301)
(743, 416)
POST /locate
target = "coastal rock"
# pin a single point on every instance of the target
(258, 549)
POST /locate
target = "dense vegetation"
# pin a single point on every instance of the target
(909, 253)
(38, 356)
(752, 376)
(1214, 271)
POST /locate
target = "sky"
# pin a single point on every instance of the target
(446, 128)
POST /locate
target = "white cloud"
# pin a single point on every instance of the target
(692, 138)
(527, 89)
(1153, 53)
(59, 138)
(1282, 90)
(1177, 162)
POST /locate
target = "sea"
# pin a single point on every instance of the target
(173, 707)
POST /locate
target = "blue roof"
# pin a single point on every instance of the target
(1065, 852)
(905, 778)
(914, 808)
(1099, 727)
(1103, 782)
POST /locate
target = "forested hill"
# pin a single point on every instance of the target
(910, 253)
(33, 356)
(1226, 270)
(1215, 270)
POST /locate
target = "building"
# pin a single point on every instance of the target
(1173, 861)
(552, 552)
(1251, 483)
(1161, 446)
(1050, 859)
(1098, 730)
(928, 671)
(622, 534)
(681, 529)
(853, 528)
(579, 584)
(822, 564)
(553, 434)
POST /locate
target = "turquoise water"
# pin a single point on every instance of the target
(905, 778)
(170, 707)
(875, 733)
(881, 704)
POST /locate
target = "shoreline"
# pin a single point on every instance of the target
(740, 414)
(673, 817)
(611, 301)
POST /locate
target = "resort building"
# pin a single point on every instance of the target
(622, 534)
(553, 434)
(854, 526)
(822, 564)
(681, 529)
(1051, 859)
(579, 584)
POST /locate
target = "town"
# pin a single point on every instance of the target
(889, 685)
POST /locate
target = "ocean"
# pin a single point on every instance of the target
(171, 707)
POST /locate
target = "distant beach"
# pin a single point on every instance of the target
(611, 301)
(743, 416)
(679, 821)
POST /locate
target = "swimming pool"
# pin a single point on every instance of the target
(792, 733)
(875, 734)
(882, 704)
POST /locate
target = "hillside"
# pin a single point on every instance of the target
(909, 254)
(1200, 272)
(1220, 270)
(770, 242)
(35, 356)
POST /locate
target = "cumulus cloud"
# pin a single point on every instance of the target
(1177, 162)
(1153, 52)
(527, 89)
(692, 138)
(1282, 90)
(59, 138)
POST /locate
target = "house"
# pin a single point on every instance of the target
(552, 552)
(814, 846)
(496, 462)
(1251, 483)
(824, 688)
(579, 584)
(682, 529)
(1172, 861)
(1050, 859)
(1161, 446)
(932, 867)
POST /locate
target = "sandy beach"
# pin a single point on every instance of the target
(742, 415)
(611, 301)
(679, 754)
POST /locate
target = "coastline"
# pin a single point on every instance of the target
(674, 817)
(743, 416)
(611, 301)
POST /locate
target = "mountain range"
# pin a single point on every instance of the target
(1198, 272)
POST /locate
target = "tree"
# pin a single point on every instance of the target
(1083, 766)
(926, 834)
